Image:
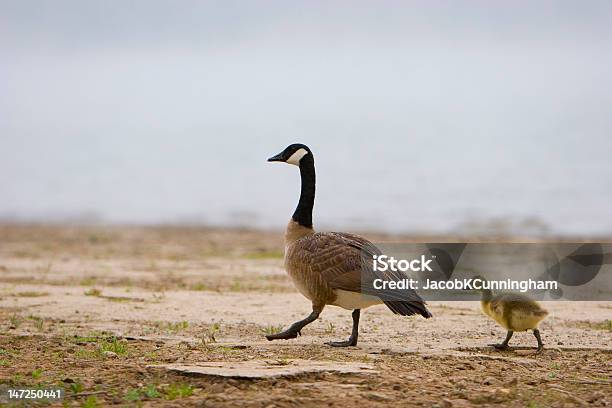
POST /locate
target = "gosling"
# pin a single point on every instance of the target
(514, 312)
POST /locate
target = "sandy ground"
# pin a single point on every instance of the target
(104, 313)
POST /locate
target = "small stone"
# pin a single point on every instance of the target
(109, 354)
(489, 381)
(512, 381)
(215, 388)
(502, 391)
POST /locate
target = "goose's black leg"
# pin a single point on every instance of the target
(504, 345)
(536, 333)
(352, 341)
(295, 329)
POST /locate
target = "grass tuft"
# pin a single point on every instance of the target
(268, 330)
(93, 292)
(114, 345)
(179, 390)
(32, 294)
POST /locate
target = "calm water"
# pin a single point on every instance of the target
(424, 116)
(468, 184)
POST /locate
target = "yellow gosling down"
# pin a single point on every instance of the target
(514, 312)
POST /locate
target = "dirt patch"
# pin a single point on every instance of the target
(114, 316)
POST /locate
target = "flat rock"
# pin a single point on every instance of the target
(266, 369)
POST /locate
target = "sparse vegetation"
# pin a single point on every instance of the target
(31, 294)
(93, 292)
(263, 254)
(36, 374)
(199, 286)
(172, 327)
(73, 351)
(89, 281)
(179, 390)
(210, 336)
(268, 330)
(90, 402)
(136, 394)
(113, 345)
(76, 387)
(39, 322)
(15, 321)
(605, 325)
(132, 395)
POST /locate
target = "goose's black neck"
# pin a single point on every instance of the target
(303, 212)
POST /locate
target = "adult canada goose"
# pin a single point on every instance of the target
(326, 267)
(514, 312)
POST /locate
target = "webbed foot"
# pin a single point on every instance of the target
(286, 335)
(347, 343)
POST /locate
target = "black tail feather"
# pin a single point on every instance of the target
(408, 308)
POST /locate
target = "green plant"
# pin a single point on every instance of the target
(211, 334)
(38, 322)
(272, 329)
(37, 373)
(90, 402)
(76, 387)
(15, 321)
(150, 391)
(199, 286)
(132, 395)
(174, 391)
(178, 326)
(114, 345)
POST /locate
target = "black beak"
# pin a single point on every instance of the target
(277, 158)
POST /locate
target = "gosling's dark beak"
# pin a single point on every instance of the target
(278, 158)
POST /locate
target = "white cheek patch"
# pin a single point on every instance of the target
(297, 156)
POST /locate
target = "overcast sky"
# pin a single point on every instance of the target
(151, 111)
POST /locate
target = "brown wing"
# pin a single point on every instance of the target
(343, 259)
(334, 257)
